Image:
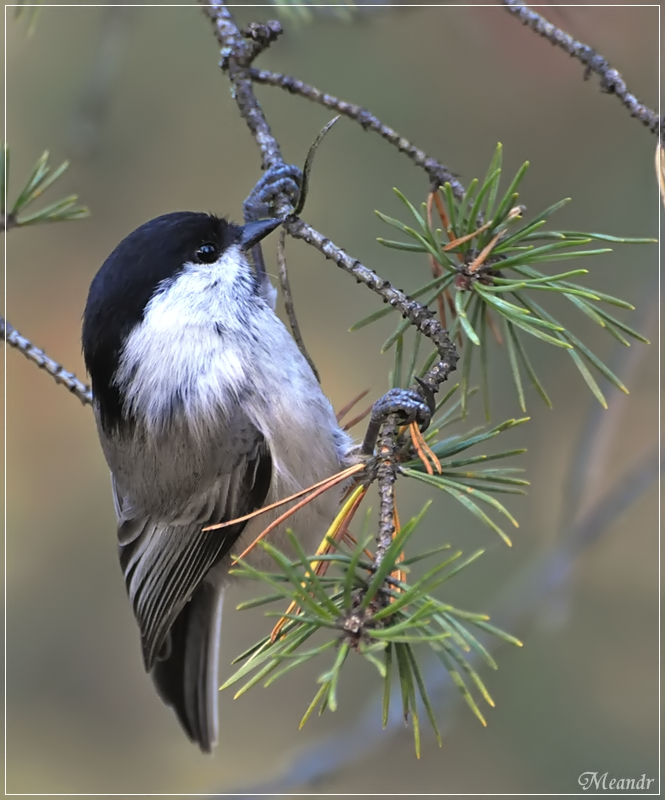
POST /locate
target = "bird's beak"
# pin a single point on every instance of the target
(253, 232)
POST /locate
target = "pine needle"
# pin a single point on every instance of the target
(336, 531)
(345, 409)
(339, 476)
(424, 451)
(468, 237)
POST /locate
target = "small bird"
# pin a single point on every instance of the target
(206, 411)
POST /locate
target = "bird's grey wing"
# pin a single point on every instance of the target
(164, 563)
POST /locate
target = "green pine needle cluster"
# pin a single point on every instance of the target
(470, 485)
(363, 609)
(493, 275)
(39, 181)
(355, 606)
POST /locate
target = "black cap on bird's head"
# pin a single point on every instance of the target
(158, 250)
(130, 276)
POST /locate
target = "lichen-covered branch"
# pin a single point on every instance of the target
(610, 78)
(59, 374)
(419, 315)
(237, 55)
(386, 473)
(438, 173)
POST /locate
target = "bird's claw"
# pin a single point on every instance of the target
(409, 404)
(283, 181)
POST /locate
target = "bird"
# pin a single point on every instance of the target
(206, 411)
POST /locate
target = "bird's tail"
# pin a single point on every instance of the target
(185, 673)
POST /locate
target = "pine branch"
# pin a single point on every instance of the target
(543, 577)
(611, 80)
(438, 173)
(416, 313)
(59, 374)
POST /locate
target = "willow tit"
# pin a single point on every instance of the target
(206, 410)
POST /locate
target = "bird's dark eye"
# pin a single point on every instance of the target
(207, 253)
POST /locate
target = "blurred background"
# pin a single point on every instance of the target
(134, 98)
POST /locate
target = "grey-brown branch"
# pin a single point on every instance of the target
(611, 80)
(386, 473)
(59, 374)
(237, 55)
(419, 315)
(438, 173)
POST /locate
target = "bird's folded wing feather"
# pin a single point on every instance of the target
(163, 563)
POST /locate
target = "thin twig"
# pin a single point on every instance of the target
(288, 303)
(610, 78)
(438, 173)
(59, 374)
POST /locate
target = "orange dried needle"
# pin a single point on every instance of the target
(495, 331)
(351, 538)
(440, 303)
(348, 425)
(398, 574)
(424, 451)
(479, 260)
(442, 215)
(345, 409)
(468, 237)
(331, 482)
(293, 608)
(336, 530)
(339, 529)
(339, 476)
